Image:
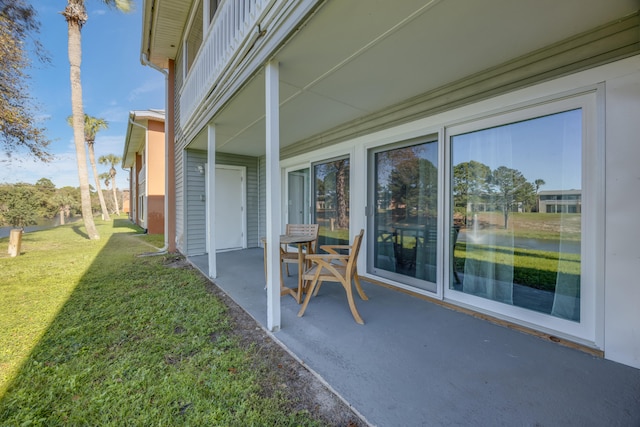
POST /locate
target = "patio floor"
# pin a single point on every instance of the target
(416, 363)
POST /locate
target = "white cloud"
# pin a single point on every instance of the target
(149, 86)
(114, 114)
(63, 170)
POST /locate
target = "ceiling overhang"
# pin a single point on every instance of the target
(163, 23)
(353, 59)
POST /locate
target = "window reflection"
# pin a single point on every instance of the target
(331, 207)
(516, 200)
(406, 206)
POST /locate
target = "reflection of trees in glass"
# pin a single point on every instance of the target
(512, 187)
(332, 189)
(538, 183)
(503, 188)
(471, 183)
(342, 189)
(413, 186)
(407, 181)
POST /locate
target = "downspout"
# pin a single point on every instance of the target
(145, 61)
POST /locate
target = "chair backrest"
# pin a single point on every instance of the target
(306, 230)
(353, 254)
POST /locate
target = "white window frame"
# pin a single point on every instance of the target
(185, 36)
(592, 236)
(285, 184)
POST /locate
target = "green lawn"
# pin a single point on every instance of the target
(93, 335)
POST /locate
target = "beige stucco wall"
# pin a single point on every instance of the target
(156, 158)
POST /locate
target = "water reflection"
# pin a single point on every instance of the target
(43, 224)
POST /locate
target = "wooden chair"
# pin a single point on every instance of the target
(287, 257)
(335, 267)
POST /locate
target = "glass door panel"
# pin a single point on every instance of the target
(516, 201)
(331, 204)
(298, 197)
(404, 236)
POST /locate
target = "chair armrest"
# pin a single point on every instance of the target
(333, 249)
(325, 257)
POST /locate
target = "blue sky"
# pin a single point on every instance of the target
(114, 83)
(547, 148)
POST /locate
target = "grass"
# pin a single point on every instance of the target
(533, 268)
(93, 335)
(527, 225)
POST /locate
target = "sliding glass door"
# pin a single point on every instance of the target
(516, 196)
(331, 200)
(403, 204)
(298, 200)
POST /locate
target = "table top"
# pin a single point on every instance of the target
(293, 238)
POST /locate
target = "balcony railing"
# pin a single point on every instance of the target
(230, 35)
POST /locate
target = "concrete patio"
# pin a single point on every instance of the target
(417, 363)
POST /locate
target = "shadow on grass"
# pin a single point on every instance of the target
(77, 229)
(126, 223)
(138, 343)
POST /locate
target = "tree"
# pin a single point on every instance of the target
(471, 183)
(113, 160)
(46, 189)
(19, 205)
(71, 195)
(63, 202)
(511, 186)
(538, 183)
(413, 186)
(342, 191)
(76, 16)
(18, 128)
(106, 178)
(93, 125)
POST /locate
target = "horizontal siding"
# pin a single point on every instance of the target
(252, 192)
(262, 188)
(179, 197)
(195, 206)
(179, 160)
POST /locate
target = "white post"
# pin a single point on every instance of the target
(272, 118)
(210, 199)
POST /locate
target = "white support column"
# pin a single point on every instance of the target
(272, 108)
(211, 199)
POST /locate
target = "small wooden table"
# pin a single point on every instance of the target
(302, 241)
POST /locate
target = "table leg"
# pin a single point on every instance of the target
(300, 272)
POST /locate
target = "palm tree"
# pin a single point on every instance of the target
(76, 16)
(92, 126)
(106, 178)
(538, 183)
(112, 160)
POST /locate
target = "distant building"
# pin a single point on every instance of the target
(144, 156)
(560, 201)
(126, 201)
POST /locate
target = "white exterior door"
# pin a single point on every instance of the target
(230, 208)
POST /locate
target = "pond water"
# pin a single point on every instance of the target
(42, 225)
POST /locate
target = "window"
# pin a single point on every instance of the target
(212, 7)
(331, 204)
(514, 247)
(298, 196)
(403, 239)
(193, 40)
